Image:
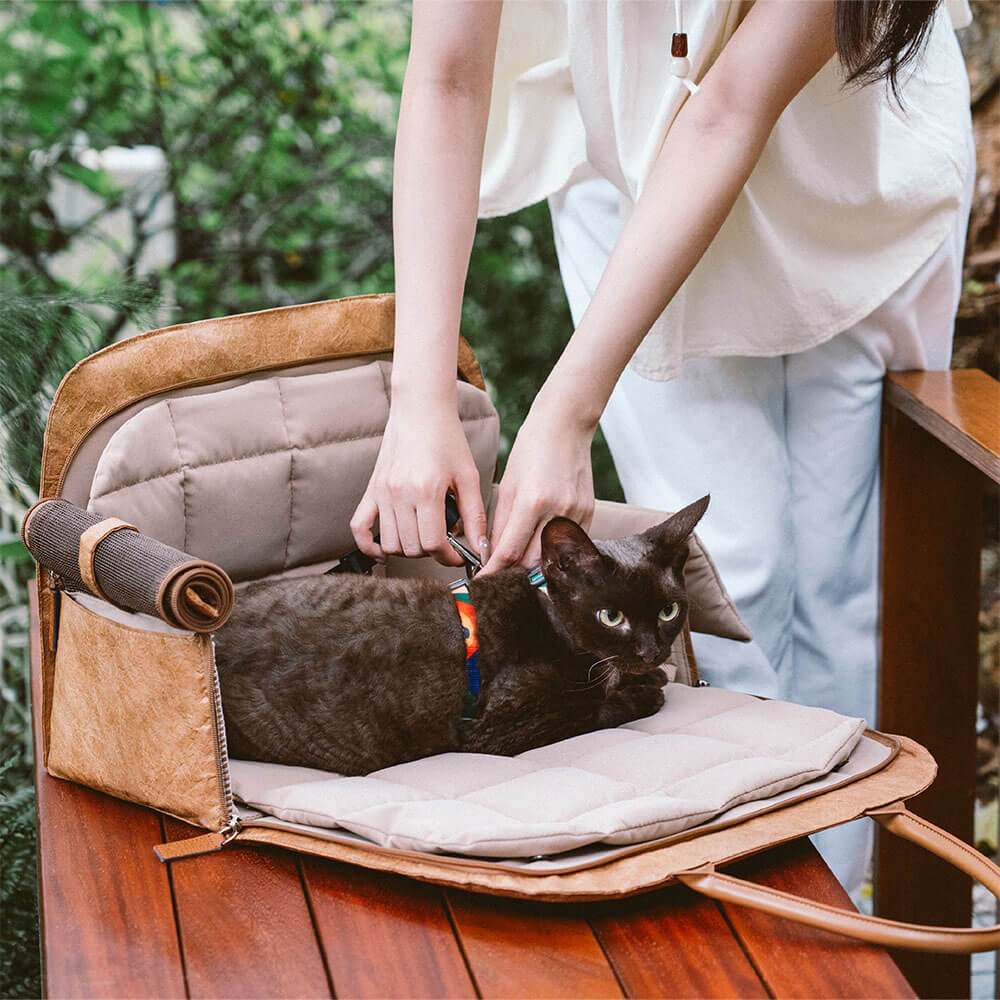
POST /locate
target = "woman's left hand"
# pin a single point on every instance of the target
(548, 475)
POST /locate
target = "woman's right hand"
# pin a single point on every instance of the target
(424, 456)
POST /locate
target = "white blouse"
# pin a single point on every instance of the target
(850, 196)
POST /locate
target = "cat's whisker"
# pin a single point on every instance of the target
(612, 677)
(590, 672)
(601, 678)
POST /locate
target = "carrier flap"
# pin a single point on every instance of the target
(213, 350)
(263, 477)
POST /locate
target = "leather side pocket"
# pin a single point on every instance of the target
(134, 715)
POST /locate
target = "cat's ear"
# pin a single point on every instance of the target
(567, 552)
(676, 529)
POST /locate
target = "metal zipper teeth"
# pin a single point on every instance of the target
(221, 749)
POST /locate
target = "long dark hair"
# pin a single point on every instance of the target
(877, 38)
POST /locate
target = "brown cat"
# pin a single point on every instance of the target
(352, 673)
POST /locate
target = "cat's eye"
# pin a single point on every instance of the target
(670, 612)
(611, 617)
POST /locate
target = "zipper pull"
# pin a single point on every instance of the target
(56, 588)
(204, 843)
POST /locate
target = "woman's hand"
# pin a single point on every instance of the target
(548, 474)
(424, 455)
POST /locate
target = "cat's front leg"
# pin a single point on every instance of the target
(656, 677)
(629, 702)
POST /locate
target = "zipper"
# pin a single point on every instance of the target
(56, 588)
(204, 843)
(207, 843)
(221, 750)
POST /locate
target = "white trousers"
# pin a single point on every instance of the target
(788, 448)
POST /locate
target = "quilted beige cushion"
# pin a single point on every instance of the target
(704, 752)
(264, 476)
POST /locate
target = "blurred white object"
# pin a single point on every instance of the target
(139, 234)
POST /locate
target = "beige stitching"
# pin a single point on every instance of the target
(976, 857)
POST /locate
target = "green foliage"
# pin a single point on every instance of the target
(19, 958)
(276, 119)
(44, 333)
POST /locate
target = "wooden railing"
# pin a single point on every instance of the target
(940, 449)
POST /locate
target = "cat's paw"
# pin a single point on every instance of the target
(628, 704)
(656, 677)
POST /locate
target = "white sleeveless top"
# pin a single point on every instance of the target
(850, 196)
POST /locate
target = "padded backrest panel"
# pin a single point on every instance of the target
(264, 476)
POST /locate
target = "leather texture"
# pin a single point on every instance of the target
(896, 819)
(907, 774)
(132, 715)
(207, 843)
(89, 541)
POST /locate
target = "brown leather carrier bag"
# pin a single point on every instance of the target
(247, 441)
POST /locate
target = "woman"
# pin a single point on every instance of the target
(761, 228)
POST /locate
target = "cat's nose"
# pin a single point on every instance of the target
(650, 656)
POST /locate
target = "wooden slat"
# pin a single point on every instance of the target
(107, 916)
(674, 943)
(244, 922)
(931, 539)
(517, 949)
(960, 408)
(799, 961)
(384, 935)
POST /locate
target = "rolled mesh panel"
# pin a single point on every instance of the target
(133, 570)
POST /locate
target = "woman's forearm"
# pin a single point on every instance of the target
(439, 151)
(688, 195)
(706, 158)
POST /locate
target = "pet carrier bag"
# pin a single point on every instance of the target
(237, 448)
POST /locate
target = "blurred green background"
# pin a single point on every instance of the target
(164, 162)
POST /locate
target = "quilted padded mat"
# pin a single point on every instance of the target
(704, 752)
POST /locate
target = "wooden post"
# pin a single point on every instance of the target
(932, 492)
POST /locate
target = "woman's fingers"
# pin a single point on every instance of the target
(388, 536)
(433, 532)
(407, 531)
(363, 527)
(510, 543)
(472, 511)
(533, 550)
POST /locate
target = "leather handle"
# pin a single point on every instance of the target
(896, 819)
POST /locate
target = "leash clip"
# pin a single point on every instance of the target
(473, 563)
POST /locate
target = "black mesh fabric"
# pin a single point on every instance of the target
(134, 570)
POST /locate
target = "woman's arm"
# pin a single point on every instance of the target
(706, 158)
(439, 151)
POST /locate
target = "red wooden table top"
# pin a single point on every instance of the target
(262, 922)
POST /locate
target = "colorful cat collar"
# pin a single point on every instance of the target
(467, 615)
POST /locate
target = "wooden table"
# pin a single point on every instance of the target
(940, 450)
(261, 922)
